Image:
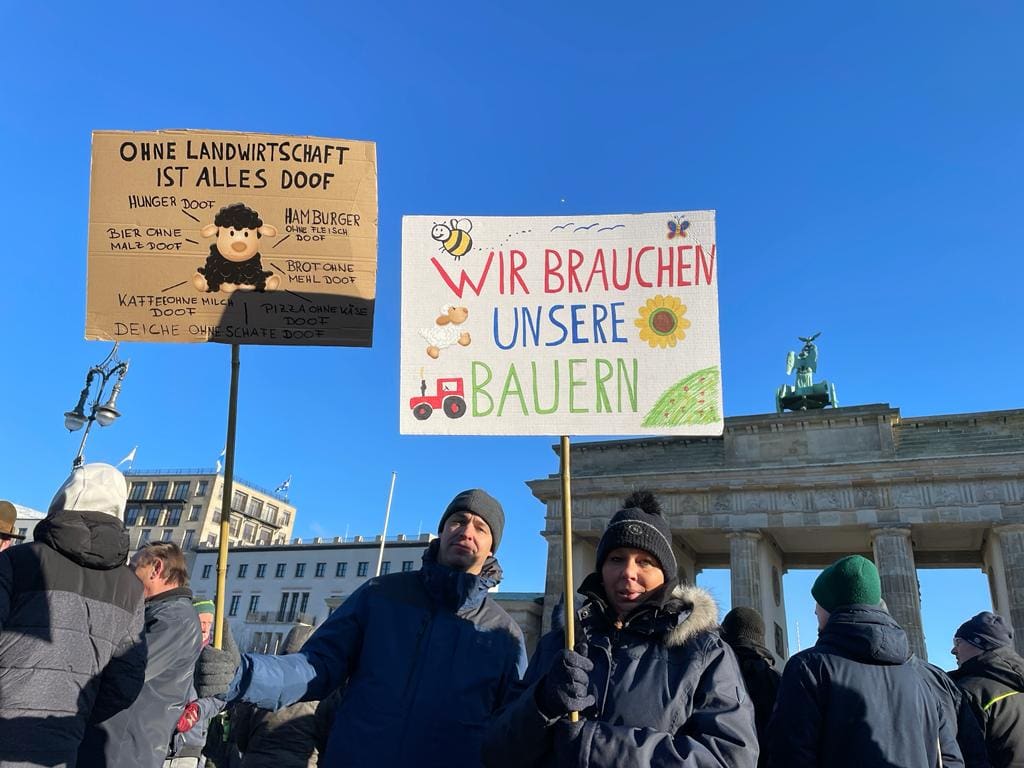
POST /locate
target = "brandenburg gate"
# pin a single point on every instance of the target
(801, 489)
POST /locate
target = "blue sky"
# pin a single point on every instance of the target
(865, 163)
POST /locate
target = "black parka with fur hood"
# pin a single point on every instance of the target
(668, 691)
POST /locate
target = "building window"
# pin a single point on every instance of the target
(385, 567)
(206, 571)
(211, 540)
(300, 570)
(264, 539)
(304, 603)
(193, 514)
(233, 607)
(168, 533)
(238, 501)
(242, 569)
(254, 603)
(261, 570)
(201, 486)
(133, 515)
(286, 517)
(249, 532)
(362, 568)
(255, 507)
(292, 604)
(22, 532)
(152, 515)
(186, 543)
(279, 571)
(320, 568)
(340, 569)
(406, 566)
(173, 516)
(180, 491)
(159, 491)
(234, 525)
(271, 514)
(144, 536)
(138, 491)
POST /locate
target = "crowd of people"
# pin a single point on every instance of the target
(106, 661)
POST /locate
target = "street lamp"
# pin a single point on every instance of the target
(106, 413)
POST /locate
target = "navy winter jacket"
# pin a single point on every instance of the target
(71, 646)
(668, 693)
(858, 699)
(427, 657)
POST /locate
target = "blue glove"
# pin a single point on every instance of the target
(564, 687)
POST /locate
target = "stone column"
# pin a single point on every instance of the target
(894, 556)
(1011, 549)
(745, 569)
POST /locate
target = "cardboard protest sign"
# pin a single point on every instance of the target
(238, 238)
(568, 325)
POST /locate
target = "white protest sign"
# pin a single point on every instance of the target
(560, 325)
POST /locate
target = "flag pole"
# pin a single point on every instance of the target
(570, 614)
(225, 505)
(387, 515)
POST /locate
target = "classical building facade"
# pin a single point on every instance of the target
(799, 490)
(184, 506)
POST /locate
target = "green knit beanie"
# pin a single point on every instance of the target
(851, 580)
(204, 606)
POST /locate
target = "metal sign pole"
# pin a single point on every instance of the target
(225, 506)
(387, 514)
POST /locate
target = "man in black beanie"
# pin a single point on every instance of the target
(743, 630)
(991, 674)
(425, 657)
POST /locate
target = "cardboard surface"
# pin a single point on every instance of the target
(304, 271)
(569, 325)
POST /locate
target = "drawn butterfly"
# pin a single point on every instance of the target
(677, 227)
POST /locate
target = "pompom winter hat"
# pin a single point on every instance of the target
(92, 488)
(640, 526)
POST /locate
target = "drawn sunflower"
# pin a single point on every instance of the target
(661, 321)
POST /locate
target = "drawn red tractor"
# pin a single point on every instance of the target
(449, 398)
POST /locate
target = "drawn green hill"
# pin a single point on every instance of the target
(693, 400)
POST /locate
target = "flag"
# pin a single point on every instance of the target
(217, 471)
(283, 487)
(130, 458)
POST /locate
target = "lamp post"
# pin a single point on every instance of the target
(106, 413)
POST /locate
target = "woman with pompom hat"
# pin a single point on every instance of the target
(651, 680)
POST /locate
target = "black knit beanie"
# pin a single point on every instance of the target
(640, 526)
(482, 504)
(743, 626)
(986, 631)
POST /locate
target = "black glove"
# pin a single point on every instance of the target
(567, 739)
(216, 668)
(564, 687)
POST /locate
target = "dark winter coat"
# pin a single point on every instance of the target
(757, 667)
(428, 657)
(139, 737)
(994, 684)
(958, 710)
(668, 692)
(856, 699)
(282, 739)
(71, 644)
(218, 270)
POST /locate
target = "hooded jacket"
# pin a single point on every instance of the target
(71, 646)
(757, 668)
(994, 684)
(857, 699)
(427, 656)
(668, 692)
(139, 736)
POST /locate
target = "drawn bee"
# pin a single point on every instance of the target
(454, 236)
(677, 227)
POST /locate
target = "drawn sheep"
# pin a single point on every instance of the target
(444, 332)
